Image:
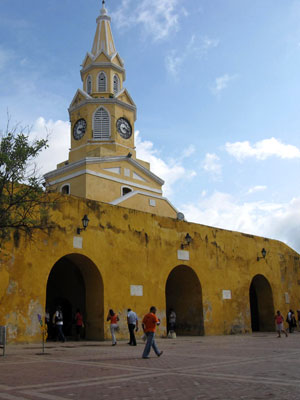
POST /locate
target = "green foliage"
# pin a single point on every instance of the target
(23, 201)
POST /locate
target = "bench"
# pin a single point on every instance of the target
(3, 338)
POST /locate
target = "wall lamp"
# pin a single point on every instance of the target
(85, 222)
(263, 253)
(188, 241)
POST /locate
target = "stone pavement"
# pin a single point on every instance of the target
(257, 366)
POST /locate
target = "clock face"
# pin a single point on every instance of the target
(79, 129)
(124, 128)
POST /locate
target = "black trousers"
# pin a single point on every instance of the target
(131, 328)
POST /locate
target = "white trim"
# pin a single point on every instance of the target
(83, 93)
(100, 175)
(99, 160)
(136, 192)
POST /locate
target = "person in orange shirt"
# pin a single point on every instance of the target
(150, 321)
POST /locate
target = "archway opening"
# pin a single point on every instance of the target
(184, 296)
(75, 282)
(261, 305)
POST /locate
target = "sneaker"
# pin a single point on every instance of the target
(146, 357)
(160, 354)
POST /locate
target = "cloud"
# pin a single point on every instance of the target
(170, 171)
(194, 48)
(279, 221)
(158, 18)
(58, 133)
(211, 164)
(262, 149)
(221, 83)
(257, 188)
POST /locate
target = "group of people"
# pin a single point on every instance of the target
(290, 319)
(149, 324)
(55, 326)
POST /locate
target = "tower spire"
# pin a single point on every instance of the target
(103, 40)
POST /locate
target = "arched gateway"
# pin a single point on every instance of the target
(75, 282)
(261, 305)
(184, 295)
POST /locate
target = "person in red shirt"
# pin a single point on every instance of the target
(79, 323)
(150, 321)
(279, 324)
(113, 318)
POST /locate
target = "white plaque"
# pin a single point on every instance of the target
(136, 290)
(183, 255)
(152, 202)
(226, 294)
(287, 298)
(77, 242)
(126, 172)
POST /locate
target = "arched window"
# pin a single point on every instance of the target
(102, 82)
(126, 190)
(116, 83)
(89, 84)
(65, 189)
(101, 126)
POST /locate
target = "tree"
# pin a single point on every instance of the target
(24, 204)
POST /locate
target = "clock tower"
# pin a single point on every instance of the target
(102, 162)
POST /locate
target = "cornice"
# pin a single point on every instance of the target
(100, 160)
(93, 100)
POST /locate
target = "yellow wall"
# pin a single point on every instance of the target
(127, 247)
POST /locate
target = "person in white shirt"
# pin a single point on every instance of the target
(132, 322)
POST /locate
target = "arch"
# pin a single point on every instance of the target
(184, 295)
(101, 124)
(89, 84)
(75, 282)
(116, 83)
(102, 82)
(125, 190)
(65, 189)
(261, 305)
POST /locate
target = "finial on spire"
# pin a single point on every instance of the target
(103, 10)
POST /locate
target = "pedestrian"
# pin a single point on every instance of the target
(59, 322)
(172, 323)
(133, 325)
(113, 318)
(79, 323)
(150, 321)
(279, 324)
(298, 316)
(47, 322)
(289, 320)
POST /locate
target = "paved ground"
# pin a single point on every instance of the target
(258, 366)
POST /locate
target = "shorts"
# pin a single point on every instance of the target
(280, 327)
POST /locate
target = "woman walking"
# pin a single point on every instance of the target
(113, 318)
(279, 324)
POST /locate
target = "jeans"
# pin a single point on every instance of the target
(113, 328)
(59, 333)
(150, 343)
(131, 328)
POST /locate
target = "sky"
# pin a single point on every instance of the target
(216, 84)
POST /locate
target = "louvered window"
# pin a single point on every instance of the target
(89, 85)
(116, 84)
(102, 82)
(101, 124)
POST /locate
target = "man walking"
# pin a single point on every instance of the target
(150, 321)
(59, 322)
(133, 325)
